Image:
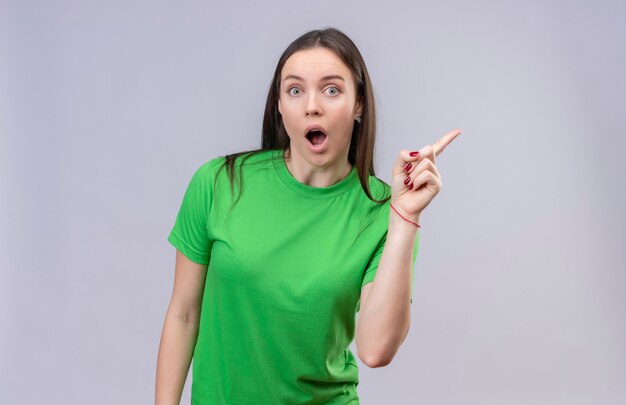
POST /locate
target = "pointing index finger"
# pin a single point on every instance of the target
(441, 144)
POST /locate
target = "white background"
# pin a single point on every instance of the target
(107, 109)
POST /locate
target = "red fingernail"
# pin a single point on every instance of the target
(411, 186)
(413, 154)
(407, 167)
(406, 181)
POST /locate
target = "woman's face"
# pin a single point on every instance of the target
(318, 89)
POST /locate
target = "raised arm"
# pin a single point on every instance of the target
(180, 330)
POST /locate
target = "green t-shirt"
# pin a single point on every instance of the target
(284, 277)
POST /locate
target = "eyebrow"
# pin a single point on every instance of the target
(325, 78)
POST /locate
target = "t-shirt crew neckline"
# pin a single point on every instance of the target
(351, 180)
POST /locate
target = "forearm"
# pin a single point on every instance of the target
(178, 341)
(385, 317)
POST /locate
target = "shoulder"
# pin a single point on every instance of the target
(207, 170)
(379, 189)
(365, 207)
(215, 165)
(241, 159)
(222, 169)
(212, 165)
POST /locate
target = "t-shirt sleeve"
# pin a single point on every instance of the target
(190, 234)
(372, 266)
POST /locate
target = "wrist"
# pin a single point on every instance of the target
(401, 221)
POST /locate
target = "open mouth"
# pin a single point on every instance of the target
(316, 137)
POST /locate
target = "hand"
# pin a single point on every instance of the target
(424, 180)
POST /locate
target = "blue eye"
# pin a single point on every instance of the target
(290, 91)
(333, 91)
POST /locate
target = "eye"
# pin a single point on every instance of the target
(333, 91)
(294, 91)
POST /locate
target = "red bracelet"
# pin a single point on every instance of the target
(403, 217)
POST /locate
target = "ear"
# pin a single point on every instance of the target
(358, 109)
(279, 111)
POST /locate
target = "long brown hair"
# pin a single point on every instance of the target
(274, 135)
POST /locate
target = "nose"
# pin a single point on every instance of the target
(313, 107)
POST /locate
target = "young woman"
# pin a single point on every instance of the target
(279, 248)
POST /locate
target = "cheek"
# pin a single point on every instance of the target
(289, 121)
(285, 108)
(291, 113)
(344, 115)
(343, 108)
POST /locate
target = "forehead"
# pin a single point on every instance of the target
(315, 62)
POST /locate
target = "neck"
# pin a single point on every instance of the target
(316, 176)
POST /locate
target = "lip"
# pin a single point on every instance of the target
(315, 127)
(320, 148)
